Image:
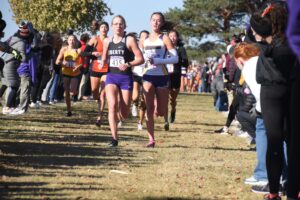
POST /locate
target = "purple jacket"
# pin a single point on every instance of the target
(28, 67)
(293, 29)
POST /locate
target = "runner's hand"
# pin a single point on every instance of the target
(65, 63)
(123, 67)
(100, 64)
(96, 53)
(76, 68)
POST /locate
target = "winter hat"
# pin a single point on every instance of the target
(24, 28)
(262, 26)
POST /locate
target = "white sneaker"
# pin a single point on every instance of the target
(236, 122)
(253, 181)
(7, 110)
(249, 139)
(120, 124)
(34, 105)
(134, 111)
(51, 102)
(140, 127)
(240, 133)
(17, 111)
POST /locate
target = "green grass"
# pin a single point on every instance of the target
(44, 155)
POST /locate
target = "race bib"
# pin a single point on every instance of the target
(170, 68)
(116, 61)
(70, 63)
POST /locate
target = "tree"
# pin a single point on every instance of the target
(198, 18)
(218, 18)
(57, 15)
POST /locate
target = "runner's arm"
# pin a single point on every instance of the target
(172, 53)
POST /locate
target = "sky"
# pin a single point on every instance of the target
(136, 13)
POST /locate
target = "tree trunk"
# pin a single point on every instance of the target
(226, 14)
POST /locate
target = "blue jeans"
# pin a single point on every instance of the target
(54, 87)
(260, 171)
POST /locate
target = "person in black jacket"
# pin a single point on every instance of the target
(274, 91)
(246, 103)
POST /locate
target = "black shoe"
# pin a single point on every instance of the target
(69, 114)
(98, 122)
(172, 117)
(113, 143)
(223, 131)
(74, 98)
(219, 130)
(261, 189)
(166, 126)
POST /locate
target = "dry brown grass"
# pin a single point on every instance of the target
(44, 155)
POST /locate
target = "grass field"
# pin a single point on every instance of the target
(45, 155)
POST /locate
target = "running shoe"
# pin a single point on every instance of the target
(113, 143)
(253, 181)
(69, 114)
(166, 126)
(34, 105)
(17, 111)
(172, 117)
(7, 110)
(40, 103)
(98, 122)
(151, 144)
(222, 131)
(240, 133)
(120, 124)
(261, 189)
(140, 127)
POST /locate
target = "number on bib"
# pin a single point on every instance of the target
(116, 61)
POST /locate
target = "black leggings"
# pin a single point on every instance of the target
(274, 111)
(233, 108)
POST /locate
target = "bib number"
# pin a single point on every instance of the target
(116, 61)
(70, 63)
